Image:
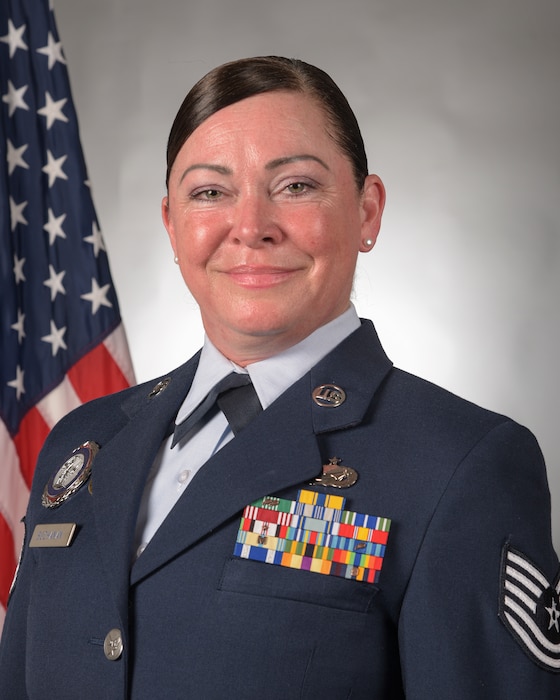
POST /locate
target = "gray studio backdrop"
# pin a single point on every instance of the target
(460, 108)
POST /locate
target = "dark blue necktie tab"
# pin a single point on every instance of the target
(234, 395)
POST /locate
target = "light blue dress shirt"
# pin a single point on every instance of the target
(173, 469)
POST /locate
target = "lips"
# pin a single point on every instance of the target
(260, 276)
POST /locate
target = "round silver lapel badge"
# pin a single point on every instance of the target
(328, 395)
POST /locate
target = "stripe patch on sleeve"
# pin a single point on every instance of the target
(530, 608)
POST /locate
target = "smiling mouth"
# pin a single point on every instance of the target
(260, 277)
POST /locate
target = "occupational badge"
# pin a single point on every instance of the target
(71, 476)
(314, 533)
(530, 608)
(336, 475)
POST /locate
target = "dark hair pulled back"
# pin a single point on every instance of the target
(237, 80)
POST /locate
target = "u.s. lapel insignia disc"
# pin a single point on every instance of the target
(71, 476)
(336, 475)
(328, 395)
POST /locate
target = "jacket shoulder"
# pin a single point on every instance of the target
(422, 408)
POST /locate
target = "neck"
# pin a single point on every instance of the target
(245, 348)
(244, 352)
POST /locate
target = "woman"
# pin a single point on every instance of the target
(366, 535)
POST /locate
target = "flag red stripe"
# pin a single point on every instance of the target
(96, 374)
(8, 561)
(30, 438)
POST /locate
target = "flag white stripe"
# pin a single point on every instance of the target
(60, 401)
(117, 346)
(14, 493)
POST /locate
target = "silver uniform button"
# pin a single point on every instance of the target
(113, 645)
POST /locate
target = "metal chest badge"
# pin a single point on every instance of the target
(336, 475)
(71, 476)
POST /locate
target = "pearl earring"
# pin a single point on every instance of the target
(176, 260)
(368, 242)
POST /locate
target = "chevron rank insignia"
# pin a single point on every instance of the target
(314, 533)
(530, 608)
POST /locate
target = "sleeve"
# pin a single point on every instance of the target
(479, 617)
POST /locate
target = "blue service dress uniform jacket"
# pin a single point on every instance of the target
(461, 485)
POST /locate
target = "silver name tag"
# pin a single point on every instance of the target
(53, 535)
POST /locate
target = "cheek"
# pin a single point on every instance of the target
(196, 240)
(311, 230)
(331, 240)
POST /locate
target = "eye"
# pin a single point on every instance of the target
(209, 194)
(297, 187)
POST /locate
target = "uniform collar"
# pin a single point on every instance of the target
(270, 377)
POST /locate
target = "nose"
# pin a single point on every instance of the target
(254, 223)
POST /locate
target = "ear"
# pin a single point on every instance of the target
(165, 215)
(372, 204)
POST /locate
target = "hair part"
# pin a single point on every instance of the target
(238, 80)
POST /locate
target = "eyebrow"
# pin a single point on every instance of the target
(206, 166)
(278, 162)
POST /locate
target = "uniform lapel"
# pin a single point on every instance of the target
(278, 450)
(255, 463)
(122, 464)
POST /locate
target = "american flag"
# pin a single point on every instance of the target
(61, 337)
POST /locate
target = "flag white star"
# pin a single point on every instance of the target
(55, 338)
(53, 168)
(96, 239)
(55, 282)
(97, 296)
(53, 110)
(14, 98)
(17, 383)
(54, 226)
(16, 213)
(14, 38)
(14, 157)
(18, 326)
(53, 50)
(18, 269)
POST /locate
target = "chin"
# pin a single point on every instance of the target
(262, 329)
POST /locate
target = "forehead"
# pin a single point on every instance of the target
(280, 118)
